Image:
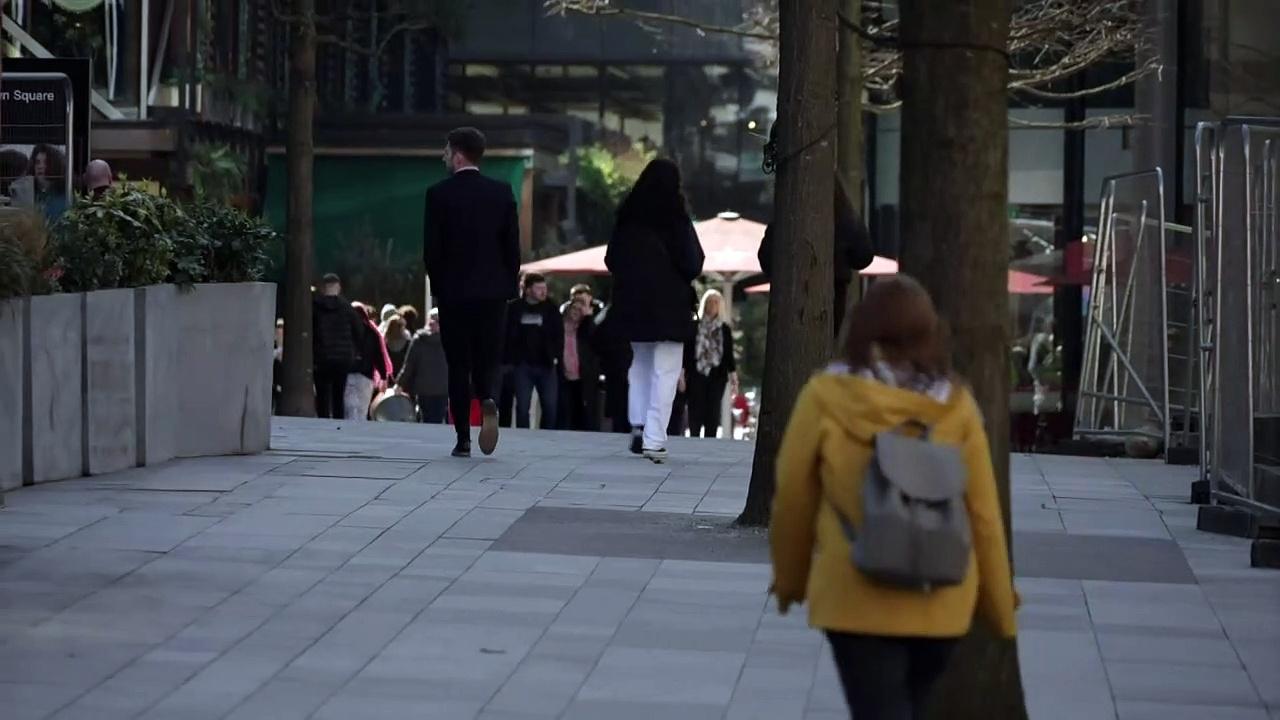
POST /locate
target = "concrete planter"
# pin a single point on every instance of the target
(97, 382)
(12, 350)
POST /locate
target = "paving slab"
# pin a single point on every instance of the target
(355, 571)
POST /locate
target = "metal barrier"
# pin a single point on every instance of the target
(1238, 308)
(1124, 383)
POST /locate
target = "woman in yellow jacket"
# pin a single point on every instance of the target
(890, 644)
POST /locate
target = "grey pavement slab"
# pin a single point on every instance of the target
(356, 571)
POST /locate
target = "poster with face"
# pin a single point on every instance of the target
(36, 141)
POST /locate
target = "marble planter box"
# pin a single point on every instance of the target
(97, 382)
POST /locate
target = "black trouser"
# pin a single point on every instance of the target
(433, 408)
(471, 333)
(706, 398)
(615, 398)
(571, 409)
(507, 399)
(677, 425)
(888, 678)
(840, 300)
(331, 383)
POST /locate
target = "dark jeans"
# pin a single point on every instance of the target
(888, 678)
(471, 333)
(677, 425)
(528, 377)
(507, 399)
(571, 407)
(615, 398)
(706, 396)
(433, 409)
(331, 383)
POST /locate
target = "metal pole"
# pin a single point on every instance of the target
(1250, 229)
(1164, 311)
(144, 59)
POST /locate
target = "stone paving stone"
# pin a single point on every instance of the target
(483, 524)
(1186, 684)
(541, 686)
(676, 676)
(1084, 692)
(284, 699)
(146, 532)
(1143, 710)
(32, 701)
(137, 687)
(641, 710)
(1146, 645)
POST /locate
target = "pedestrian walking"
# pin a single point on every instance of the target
(579, 369)
(654, 257)
(373, 368)
(471, 248)
(852, 243)
(614, 353)
(712, 366)
(397, 338)
(336, 335)
(534, 343)
(886, 518)
(425, 376)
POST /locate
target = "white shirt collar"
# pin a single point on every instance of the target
(466, 168)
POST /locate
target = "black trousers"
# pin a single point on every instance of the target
(471, 333)
(888, 678)
(706, 393)
(331, 383)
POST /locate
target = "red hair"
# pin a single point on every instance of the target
(896, 322)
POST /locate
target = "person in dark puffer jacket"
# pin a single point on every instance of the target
(336, 332)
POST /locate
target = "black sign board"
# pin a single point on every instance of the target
(77, 70)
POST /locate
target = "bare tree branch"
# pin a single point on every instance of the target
(1100, 122)
(605, 8)
(1049, 40)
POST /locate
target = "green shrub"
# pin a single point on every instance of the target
(232, 245)
(131, 238)
(24, 254)
(126, 238)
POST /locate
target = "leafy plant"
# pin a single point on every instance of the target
(604, 178)
(226, 246)
(24, 254)
(217, 172)
(124, 239)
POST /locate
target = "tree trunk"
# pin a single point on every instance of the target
(850, 142)
(298, 397)
(799, 334)
(955, 240)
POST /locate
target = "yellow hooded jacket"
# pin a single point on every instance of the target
(821, 465)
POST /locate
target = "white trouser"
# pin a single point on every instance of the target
(357, 396)
(655, 373)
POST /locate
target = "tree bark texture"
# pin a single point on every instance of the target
(954, 190)
(298, 383)
(850, 138)
(799, 333)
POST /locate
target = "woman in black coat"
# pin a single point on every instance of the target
(654, 257)
(852, 249)
(709, 367)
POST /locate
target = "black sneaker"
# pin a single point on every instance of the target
(637, 442)
(489, 427)
(462, 450)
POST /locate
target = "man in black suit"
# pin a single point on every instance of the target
(471, 246)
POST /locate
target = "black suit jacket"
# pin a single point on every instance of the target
(471, 239)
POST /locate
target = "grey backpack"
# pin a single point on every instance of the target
(915, 525)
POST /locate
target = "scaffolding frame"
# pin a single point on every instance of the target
(1106, 383)
(1238, 298)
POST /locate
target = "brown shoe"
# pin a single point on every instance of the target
(489, 427)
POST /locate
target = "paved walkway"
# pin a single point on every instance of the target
(354, 572)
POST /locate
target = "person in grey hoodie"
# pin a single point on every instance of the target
(425, 376)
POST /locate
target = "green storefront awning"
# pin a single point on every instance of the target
(368, 209)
